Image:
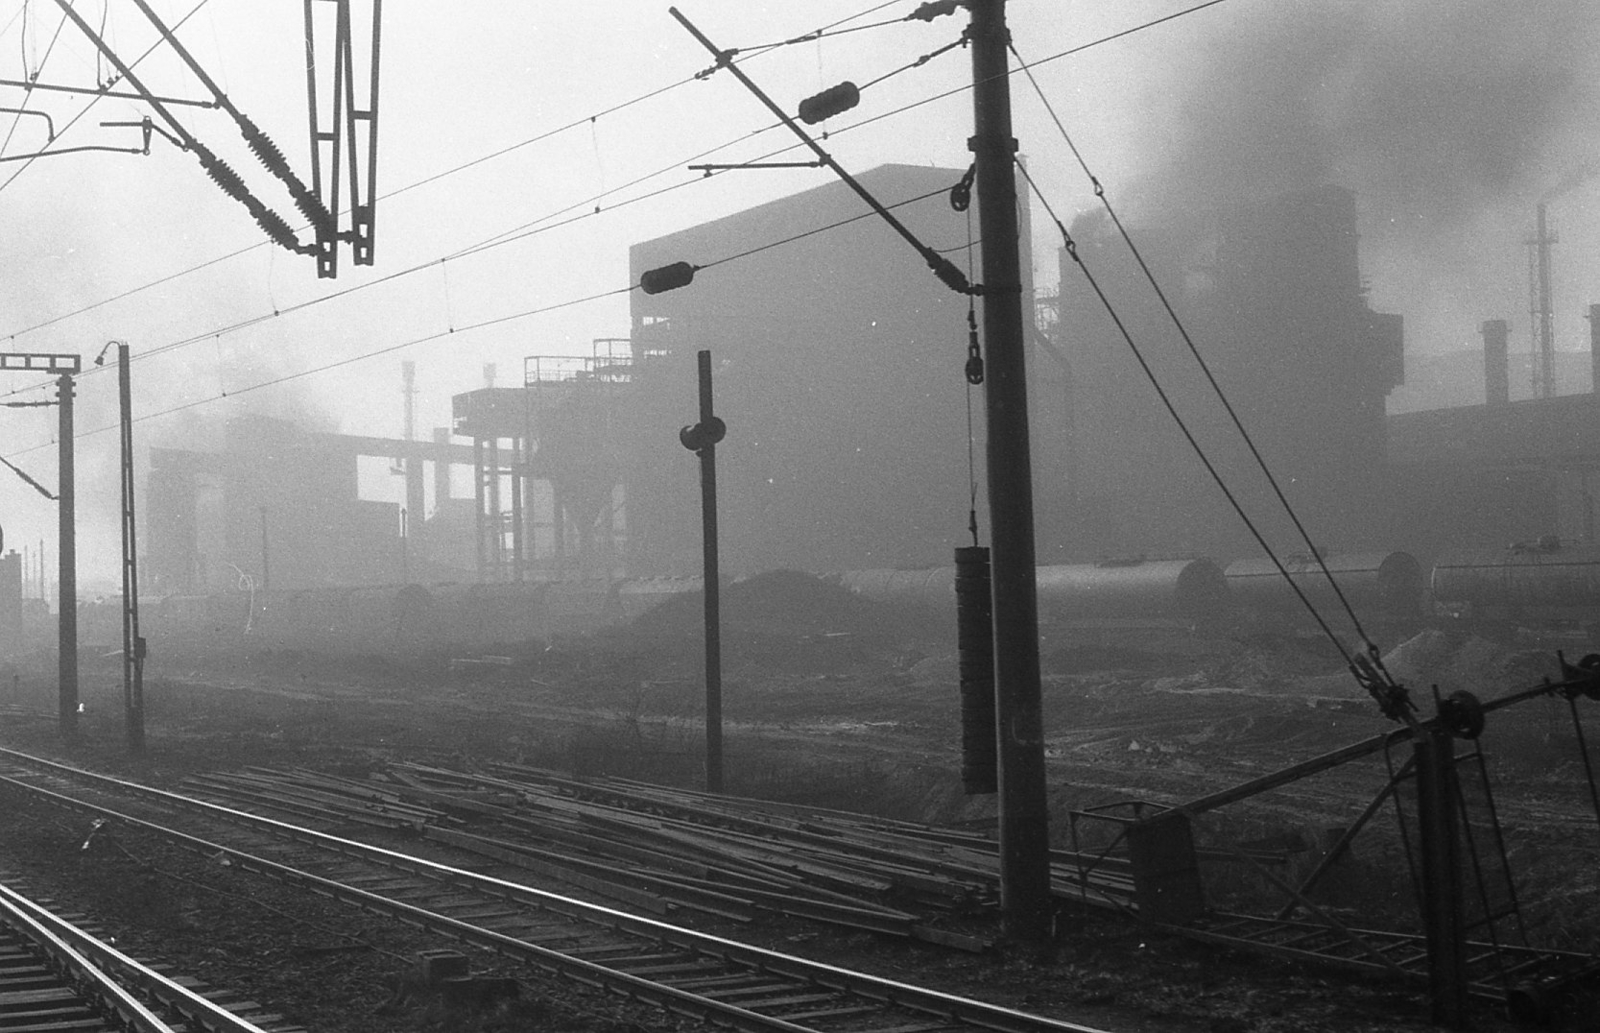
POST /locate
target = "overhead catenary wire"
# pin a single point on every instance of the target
(1210, 377)
(506, 237)
(224, 395)
(450, 330)
(17, 119)
(527, 229)
(521, 232)
(833, 29)
(96, 98)
(426, 180)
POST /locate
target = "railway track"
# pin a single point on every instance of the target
(58, 976)
(681, 970)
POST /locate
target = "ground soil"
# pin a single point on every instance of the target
(829, 701)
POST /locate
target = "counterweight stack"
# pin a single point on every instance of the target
(975, 646)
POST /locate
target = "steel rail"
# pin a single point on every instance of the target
(75, 967)
(99, 959)
(820, 974)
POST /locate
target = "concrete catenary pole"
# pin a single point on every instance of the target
(67, 590)
(1024, 832)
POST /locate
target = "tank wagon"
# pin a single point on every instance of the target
(1541, 583)
(1545, 584)
(1379, 586)
(1115, 590)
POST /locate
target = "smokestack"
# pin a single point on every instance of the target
(1543, 310)
(1496, 378)
(1594, 347)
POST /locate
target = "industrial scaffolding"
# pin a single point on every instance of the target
(547, 466)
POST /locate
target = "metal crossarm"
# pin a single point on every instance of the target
(41, 362)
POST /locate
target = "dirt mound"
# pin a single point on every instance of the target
(780, 605)
(1478, 665)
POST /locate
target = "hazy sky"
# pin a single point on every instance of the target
(1450, 118)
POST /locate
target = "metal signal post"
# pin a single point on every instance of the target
(133, 649)
(67, 589)
(702, 439)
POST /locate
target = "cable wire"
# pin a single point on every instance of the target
(820, 229)
(918, 63)
(527, 229)
(17, 118)
(450, 330)
(96, 99)
(825, 31)
(536, 138)
(222, 395)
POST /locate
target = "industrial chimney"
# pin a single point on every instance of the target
(1594, 346)
(1496, 378)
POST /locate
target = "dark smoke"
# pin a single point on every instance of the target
(1449, 119)
(1434, 109)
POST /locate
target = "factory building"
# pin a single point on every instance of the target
(1271, 298)
(276, 506)
(838, 361)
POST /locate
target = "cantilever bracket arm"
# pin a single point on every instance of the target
(947, 271)
(49, 123)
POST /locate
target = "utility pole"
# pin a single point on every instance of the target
(132, 641)
(65, 367)
(67, 591)
(1024, 833)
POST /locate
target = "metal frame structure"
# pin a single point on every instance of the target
(557, 429)
(1473, 943)
(66, 367)
(347, 128)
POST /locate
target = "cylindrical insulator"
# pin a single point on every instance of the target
(264, 149)
(975, 648)
(276, 228)
(222, 175)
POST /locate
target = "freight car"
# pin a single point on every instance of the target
(1124, 590)
(1545, 584)
(1386, 590)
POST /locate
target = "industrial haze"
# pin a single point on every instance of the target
(1446, 120)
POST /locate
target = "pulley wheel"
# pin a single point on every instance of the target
(1462, 714)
